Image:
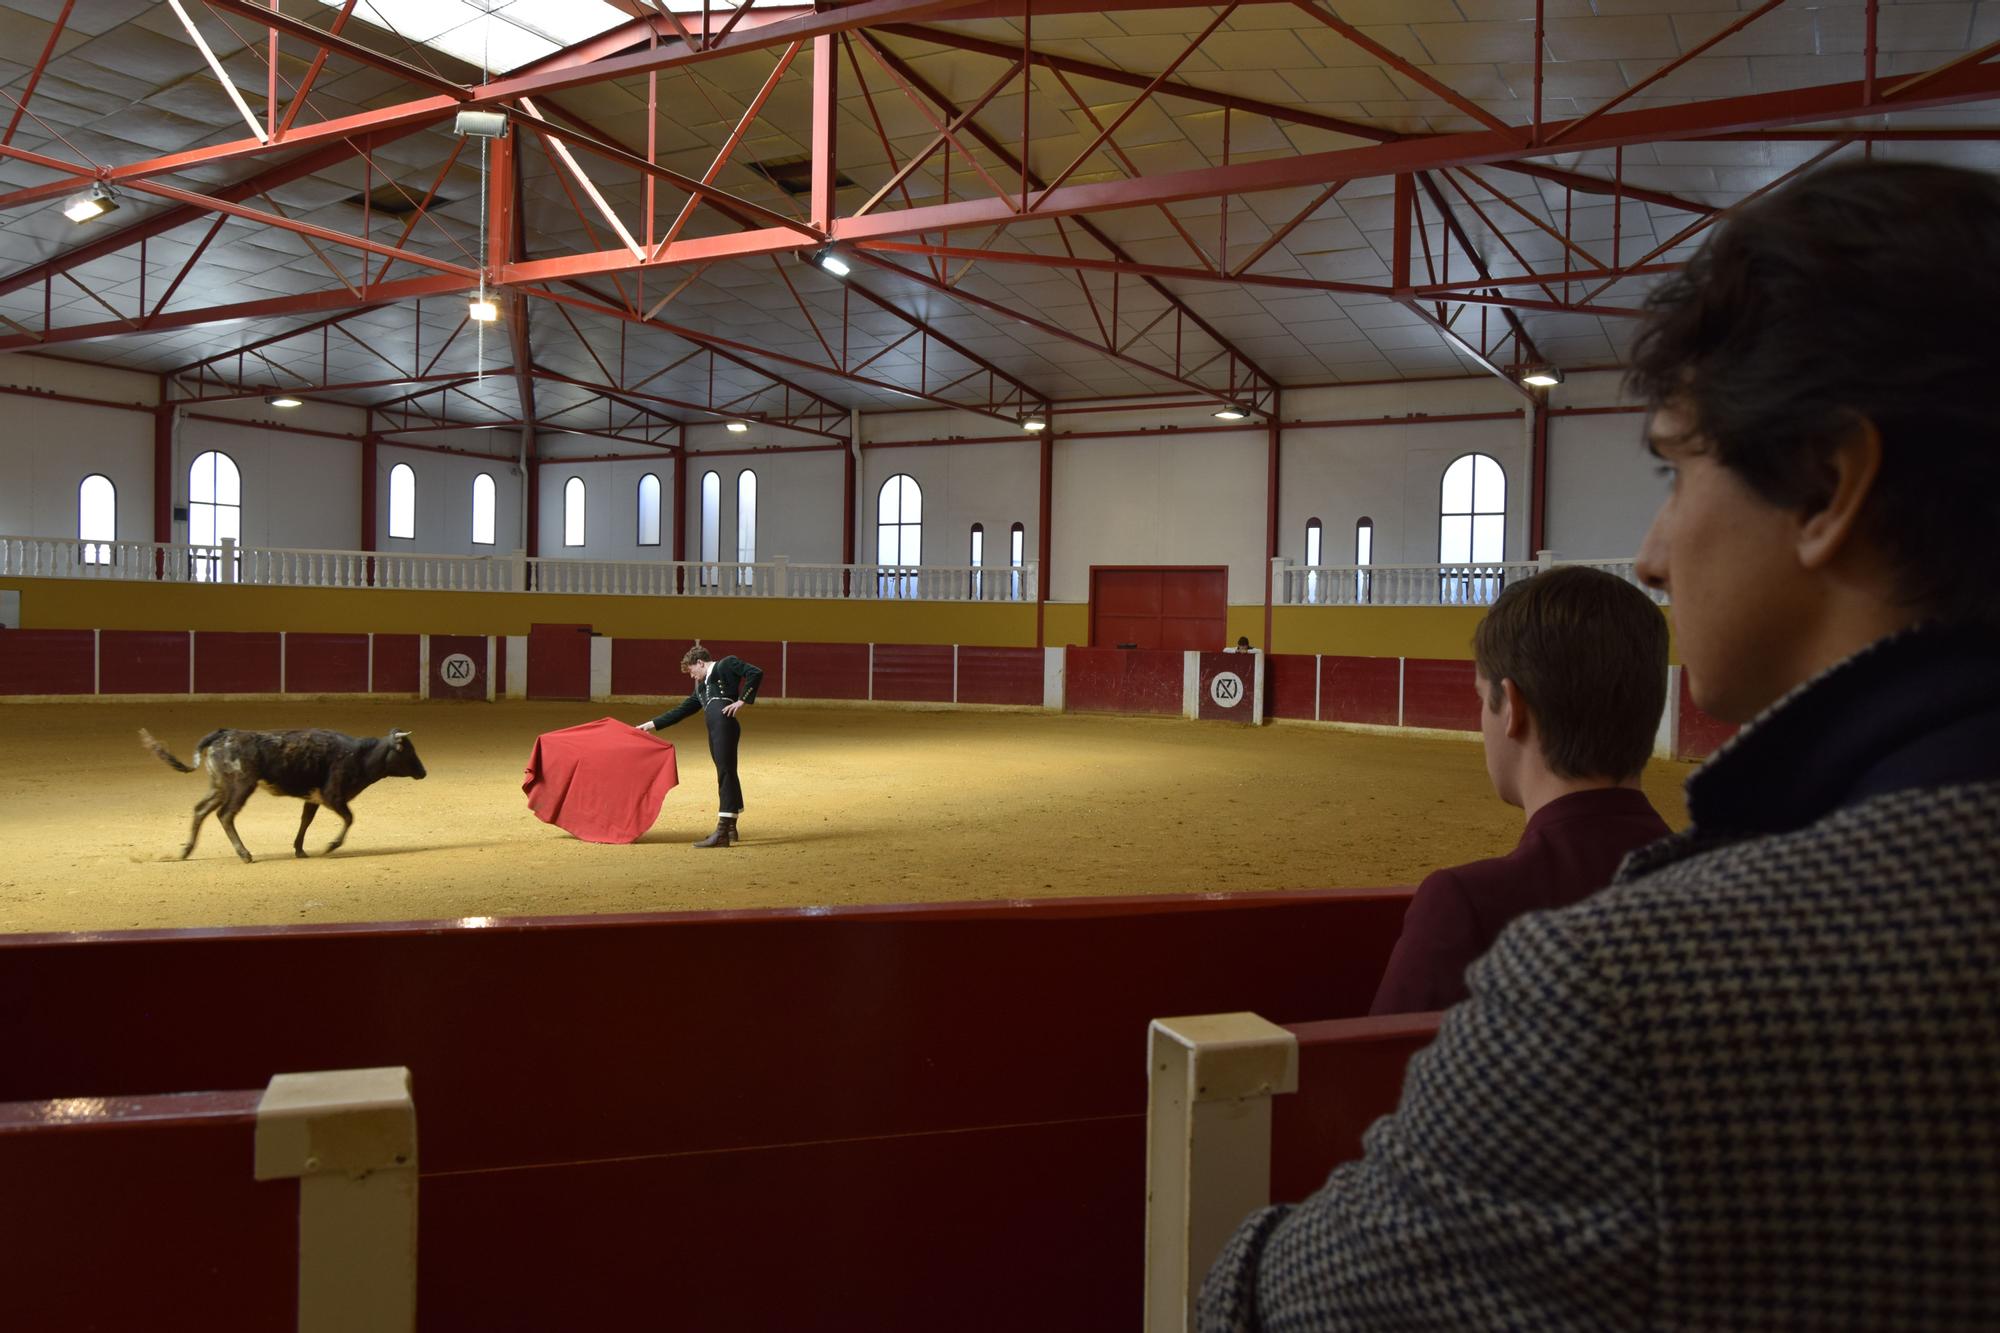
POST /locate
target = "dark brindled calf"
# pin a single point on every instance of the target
(319, 767)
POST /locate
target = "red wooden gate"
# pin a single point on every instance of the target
(1175, 607)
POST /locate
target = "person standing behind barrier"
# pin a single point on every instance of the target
(1755, 1083)
(1571, 671)
(721, 691)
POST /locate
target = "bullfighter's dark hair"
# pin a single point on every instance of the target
(1859, 293)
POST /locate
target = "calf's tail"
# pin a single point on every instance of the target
(146, 739)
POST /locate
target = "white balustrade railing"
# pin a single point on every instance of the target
(227, 562)
(1419, 585)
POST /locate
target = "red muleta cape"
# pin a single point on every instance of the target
(602, 781)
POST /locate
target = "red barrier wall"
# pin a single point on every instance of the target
(1350, 1075)
(647, 666)
(326, 663)
(913, 672)
(230, 663)
(1439, 694)
(1123, 680)
(1291, 686)
(1226, 688)
(558, 662)
(1000, 676)
(665, 1103)
(397, 669)
(653, 666)
(1698, 735)
(826, 671)
(141, 1213)
(48, 661)
(142, 661)
(1359, 689)
(472, 683)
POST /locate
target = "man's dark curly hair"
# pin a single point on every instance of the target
(1863, 292)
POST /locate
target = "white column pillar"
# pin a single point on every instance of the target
(1208, 1146)
(349, 1138)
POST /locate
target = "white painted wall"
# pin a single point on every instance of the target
(444, 500)
(1603, 490)
(1164, 500)
(1129, 495)
(1392, 474)
(301, 492)
(611, 509)
(996, 485)
(798, 504)
(50, 447)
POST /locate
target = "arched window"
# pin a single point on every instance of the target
(215, 510)
(1017, 549)
(97, 518)
(746, 524)
(711, 527)
(978, 559)
(1364, 556)
(573, 498)
(482, 509)
(1312, 560)
(1472, 520)
(649, 510)
(402, 501)
(899, 534)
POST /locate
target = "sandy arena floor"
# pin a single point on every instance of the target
(845, 806)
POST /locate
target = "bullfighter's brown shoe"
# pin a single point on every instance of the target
(721, 837)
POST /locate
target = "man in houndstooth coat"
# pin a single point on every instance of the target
(1755, 1084)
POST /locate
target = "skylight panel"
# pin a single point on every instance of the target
(494, 35)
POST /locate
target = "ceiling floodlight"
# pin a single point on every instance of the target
(283, 400)
(1230, 412)
(481, 124)
(1542, 377)
(738, 427)
(1033, 422)
(484, 310)
(93, 203)
(825, 258)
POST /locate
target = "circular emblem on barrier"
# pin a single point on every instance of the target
(1226, 689)
(457, 670)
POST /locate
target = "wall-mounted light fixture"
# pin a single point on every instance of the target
(1034, 422)
(827, 260)
(1542, 377)
(1230, 412)
(95, 202)
(484, 309)
(738, 427)
(283, 400)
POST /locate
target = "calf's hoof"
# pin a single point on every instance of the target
(187, 851)
(299, 852)
(247, 858)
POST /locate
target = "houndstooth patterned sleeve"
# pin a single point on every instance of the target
(1513, 1188)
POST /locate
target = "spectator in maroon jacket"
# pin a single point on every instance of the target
(1571, 668)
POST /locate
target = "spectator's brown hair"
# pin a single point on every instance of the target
(1588, 652)
(693, 655)
(1862, 292)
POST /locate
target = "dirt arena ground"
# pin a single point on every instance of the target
(845, 806)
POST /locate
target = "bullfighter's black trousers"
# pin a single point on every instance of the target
(724, 732)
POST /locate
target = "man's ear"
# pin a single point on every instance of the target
(1515, 719)
(1852, 468)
